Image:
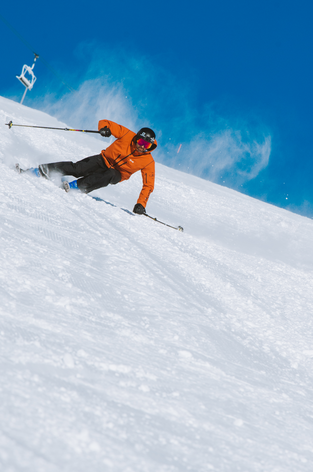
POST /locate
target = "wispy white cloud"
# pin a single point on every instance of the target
(95, 99)
(225, 156)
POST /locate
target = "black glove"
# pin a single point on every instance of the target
(105, 132)
(138, 208)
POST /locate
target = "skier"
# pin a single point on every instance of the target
(129, 153)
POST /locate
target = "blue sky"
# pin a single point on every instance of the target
(229, 81)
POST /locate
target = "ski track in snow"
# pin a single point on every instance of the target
(129, 346)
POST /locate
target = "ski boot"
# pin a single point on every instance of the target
(67, 186)
(33, 170)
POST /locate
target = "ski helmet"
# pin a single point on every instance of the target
(148, 135)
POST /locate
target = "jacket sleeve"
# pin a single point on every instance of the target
(118, 131)
(148, 174)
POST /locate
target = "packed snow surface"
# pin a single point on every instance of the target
(129, 346)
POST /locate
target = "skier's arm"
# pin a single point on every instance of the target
(148, 174)
(118, 131)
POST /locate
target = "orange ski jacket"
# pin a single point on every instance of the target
(123, 156)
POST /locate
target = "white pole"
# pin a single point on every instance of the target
(23, 95)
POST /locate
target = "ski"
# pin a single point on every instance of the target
(39, 173)
(18, 169)
(33, 170)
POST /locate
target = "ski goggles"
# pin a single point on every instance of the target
(145, 144)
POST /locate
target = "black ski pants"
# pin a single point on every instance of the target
(91, 172)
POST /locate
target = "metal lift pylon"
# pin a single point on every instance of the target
(29, 81)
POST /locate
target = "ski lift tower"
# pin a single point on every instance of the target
(29, 80)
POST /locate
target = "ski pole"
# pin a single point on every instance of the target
(10, 124)
(179, 228)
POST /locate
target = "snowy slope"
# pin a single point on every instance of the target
(128, 346)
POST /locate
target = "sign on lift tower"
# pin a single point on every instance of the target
(27, 77)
